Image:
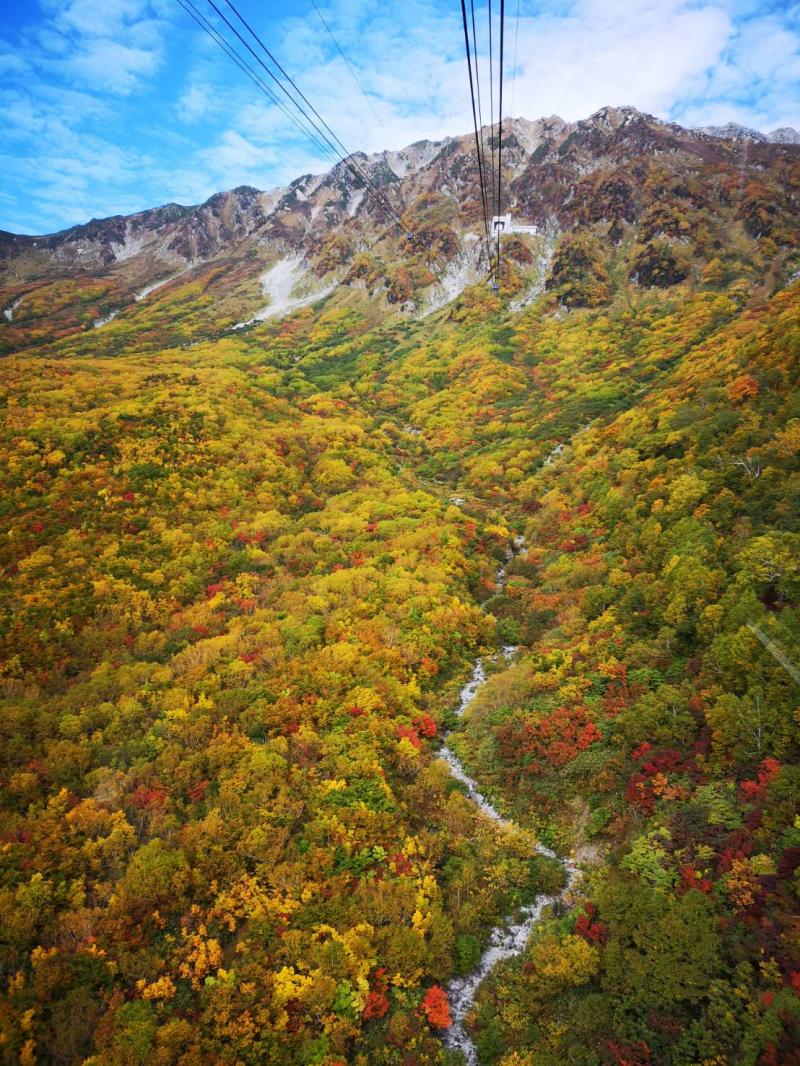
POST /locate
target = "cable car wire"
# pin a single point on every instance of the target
(321, 125)
(477, 137)
(326, 132)
(364, 93)
(243, 65)
(481, 141)
(344, 156)
(325, 147)
(500, 132)
(491, 103)
(500, 109)
(353, 74)
(514, 72)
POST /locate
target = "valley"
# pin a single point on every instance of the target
(380, 669)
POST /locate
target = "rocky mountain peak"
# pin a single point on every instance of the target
(733, 131)
(612, 118)
(784, 135)
(551, 167)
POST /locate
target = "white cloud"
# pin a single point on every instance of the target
(663, 56)
(110, 66)
(647, 57)
(651, 54)
(195, 102)
(757, 80)
(101, 45)
(235, 152)
(96, 18)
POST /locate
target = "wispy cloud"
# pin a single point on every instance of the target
(72, 84)
(114, 105)
(108, 45)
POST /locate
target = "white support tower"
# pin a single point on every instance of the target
(505, 224)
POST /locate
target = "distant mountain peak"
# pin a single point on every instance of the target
(734, 131)
(784, 135)
(614, 117)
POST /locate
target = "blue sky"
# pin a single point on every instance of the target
(112, 106)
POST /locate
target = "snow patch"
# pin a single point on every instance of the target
(355, 202)
(460, 272)
(105, 320)
(284, 284)
(142, 294)
(8, 312)
(128, 248)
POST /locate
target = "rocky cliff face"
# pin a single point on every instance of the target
(732, 131)
(621, 178)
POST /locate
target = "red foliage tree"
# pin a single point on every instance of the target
(585, 926)
(411, 735)
(637, 1054)
(377, 1001)
(554, 740)
(755, 791)
(425, 725)
(437, 1008)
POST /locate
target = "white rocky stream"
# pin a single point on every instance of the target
(512, 935)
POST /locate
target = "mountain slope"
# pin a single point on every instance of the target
(245, 573)
(665, 203)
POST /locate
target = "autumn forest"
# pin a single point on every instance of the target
(247, 572)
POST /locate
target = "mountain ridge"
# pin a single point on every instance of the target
(655, 201)
(735, 132)
(607, 116)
